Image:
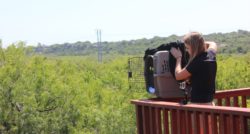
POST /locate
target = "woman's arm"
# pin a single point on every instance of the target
(180, 74)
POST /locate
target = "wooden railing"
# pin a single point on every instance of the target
(233, 97)
(154, 116)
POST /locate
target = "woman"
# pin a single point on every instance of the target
(201, 68)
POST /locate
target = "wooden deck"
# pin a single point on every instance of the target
(231, 115)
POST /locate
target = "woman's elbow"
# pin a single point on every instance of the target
(178, 77)
(184, 74)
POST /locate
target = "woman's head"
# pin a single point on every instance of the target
(194, 43)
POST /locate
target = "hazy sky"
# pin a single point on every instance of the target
(60, 21)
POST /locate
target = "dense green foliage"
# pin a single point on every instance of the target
(234, 42)
(76, 94)
(64, 94)
(233, 71)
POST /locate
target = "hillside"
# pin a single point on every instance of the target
(233, 42)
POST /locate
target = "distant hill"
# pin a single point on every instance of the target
(233, 42)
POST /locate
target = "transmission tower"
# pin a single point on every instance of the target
(99, 44)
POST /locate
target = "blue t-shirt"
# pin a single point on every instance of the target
(203, 69)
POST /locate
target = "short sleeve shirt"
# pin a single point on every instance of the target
(203, 69)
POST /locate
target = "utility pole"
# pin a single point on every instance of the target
(99, 44)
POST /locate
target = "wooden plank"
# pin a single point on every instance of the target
(139, 121)
(181, 122)
(243, 125)
(146, 125)
(236, 102)
(243, 101)
(188, 122)
(158, 123)
(166, 122)
(227, 101)
(178, 122)
(237, 124)
(173, 122)
(193, 107)
(205, 122)
(222, 125)
(151, 110)
(232, 93)
(219, 101)
(226, 124)
(195, 122)
(231, 124)
(214, 123)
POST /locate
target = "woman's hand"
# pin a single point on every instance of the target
(176, 53)
(211, 45)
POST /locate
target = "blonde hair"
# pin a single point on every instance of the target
(196, 42)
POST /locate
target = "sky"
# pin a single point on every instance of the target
(59, 21)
